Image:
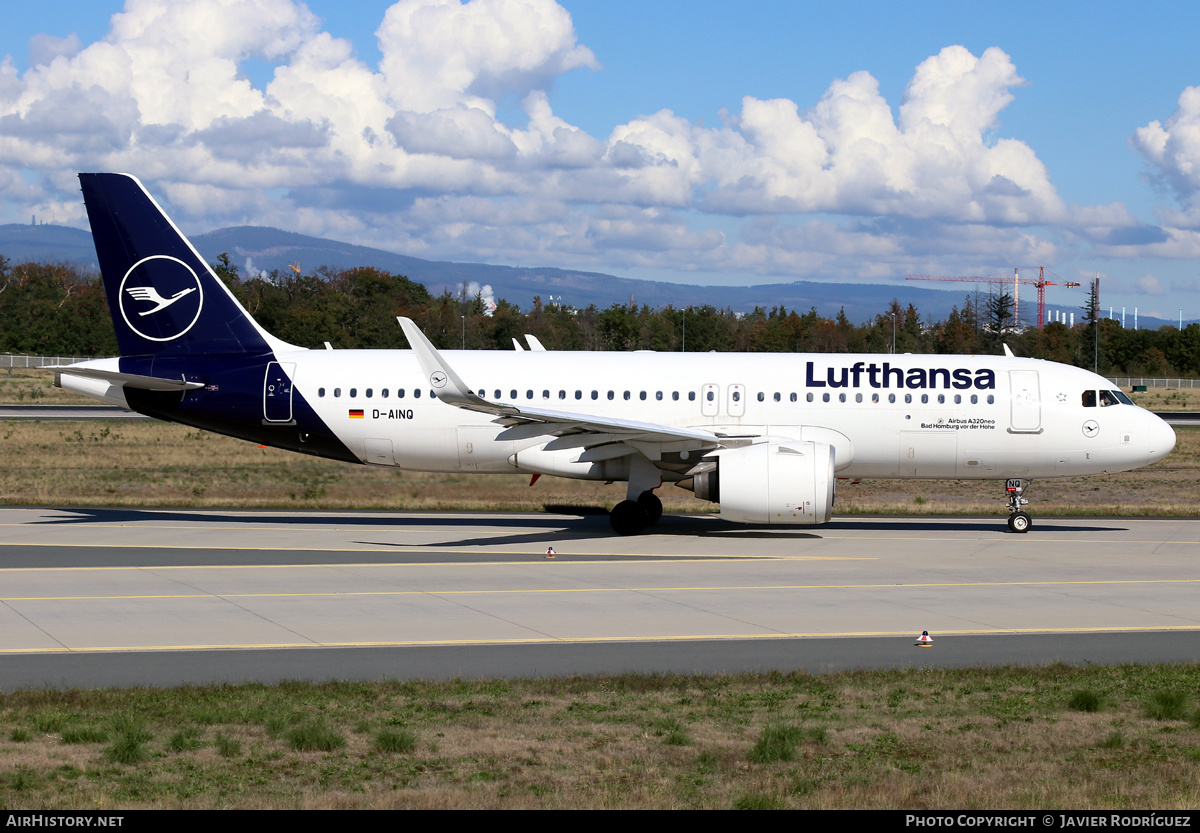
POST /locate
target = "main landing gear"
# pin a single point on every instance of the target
(629, 517)
(1018, 519)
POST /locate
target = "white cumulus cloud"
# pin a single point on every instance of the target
(411, 154)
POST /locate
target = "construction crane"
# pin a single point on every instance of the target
(1040, 282)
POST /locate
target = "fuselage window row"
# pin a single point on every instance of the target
(1089, 397)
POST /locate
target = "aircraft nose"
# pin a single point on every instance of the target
(1162, 439)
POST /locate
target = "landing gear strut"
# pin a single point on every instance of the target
(1018, 520)
(629, 517)
(641, 506)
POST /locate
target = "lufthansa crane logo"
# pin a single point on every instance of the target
(437, 379)
(160, 298)
(1091, 428)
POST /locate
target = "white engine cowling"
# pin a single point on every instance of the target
(773, 483)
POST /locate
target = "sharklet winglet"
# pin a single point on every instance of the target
(446, 383)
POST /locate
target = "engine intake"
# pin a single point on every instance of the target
(771, 483)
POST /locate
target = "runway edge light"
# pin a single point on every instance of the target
(924, 640)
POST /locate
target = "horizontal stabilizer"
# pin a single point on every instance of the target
(129, 380)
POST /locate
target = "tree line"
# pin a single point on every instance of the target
(61, 309)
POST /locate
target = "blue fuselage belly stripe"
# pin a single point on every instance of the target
(231, 403)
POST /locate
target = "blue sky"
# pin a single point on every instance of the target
(702, 142)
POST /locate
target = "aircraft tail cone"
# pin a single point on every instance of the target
(924, 640)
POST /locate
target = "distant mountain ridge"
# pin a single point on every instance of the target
(270, 249)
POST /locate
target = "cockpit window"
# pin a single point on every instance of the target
(1089, 399)
(1112, 397)
(1122, 398)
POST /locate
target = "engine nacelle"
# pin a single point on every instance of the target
(772, 483)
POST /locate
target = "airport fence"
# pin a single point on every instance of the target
(1151, 382)
(8, 361)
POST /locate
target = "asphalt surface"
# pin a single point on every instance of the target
(119, 597)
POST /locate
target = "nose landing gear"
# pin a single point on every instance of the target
(1018, 520)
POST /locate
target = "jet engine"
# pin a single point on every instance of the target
(771, 483)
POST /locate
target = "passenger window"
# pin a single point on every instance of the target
(497, 394)
(658, 395)
(792, 398)
(991, 399)
(974, 399)
(761, 396)
(891, 398)
(674, 396)
(512, 394)
(642, 396)
(709, 396)
(417, 393)
(941, 399)
(369, 393)
(858, 397)
(562, 394)
(958, 399)
(529, 394)
(924, 399)
(626, 396)
(611, 395)
(908, 399)
(384, 393)
(824, 397)
(778, 397)
(809, 396)
(321, 392)
(691, 396)
(1089, 399)
(353, 392)
(546, 394)
(337, 392)
(875, 398)
(432, 395)
(399, 393)
(841, 397)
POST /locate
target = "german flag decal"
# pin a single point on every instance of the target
(356, 413)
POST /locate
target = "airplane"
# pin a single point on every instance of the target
(764, 435)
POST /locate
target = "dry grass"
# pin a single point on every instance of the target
(147, 463)
(1168, 399)
(972, 739)
(24, 386)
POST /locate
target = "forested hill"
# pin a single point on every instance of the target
(62, 309)
(255, 249)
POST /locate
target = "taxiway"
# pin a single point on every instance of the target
(163, 597)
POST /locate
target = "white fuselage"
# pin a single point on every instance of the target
(923, 416)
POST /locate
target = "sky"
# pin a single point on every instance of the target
(698, 142)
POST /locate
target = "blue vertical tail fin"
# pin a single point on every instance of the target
(164, 298)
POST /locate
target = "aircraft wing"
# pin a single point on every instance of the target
(527, 421)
